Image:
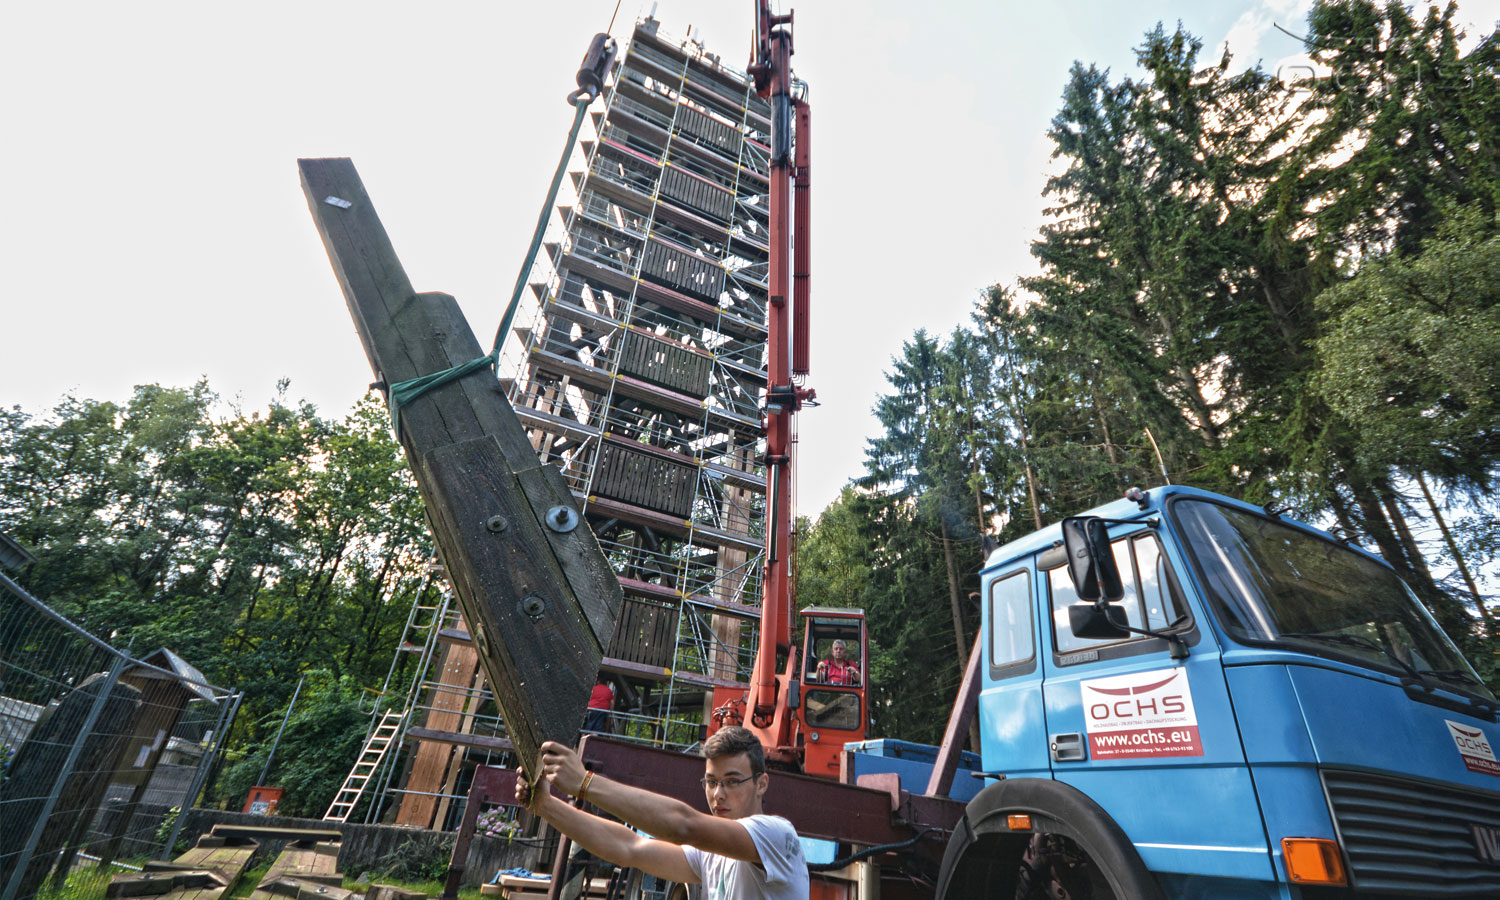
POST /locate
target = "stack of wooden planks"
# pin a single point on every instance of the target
(206, 872)
(306, 869)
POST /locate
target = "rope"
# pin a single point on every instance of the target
(403, 392)
(582, 102)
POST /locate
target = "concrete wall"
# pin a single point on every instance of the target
(363, 844)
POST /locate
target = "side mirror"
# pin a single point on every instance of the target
(1091, 560)
(1097, 622)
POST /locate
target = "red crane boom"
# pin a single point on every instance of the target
(770, 709)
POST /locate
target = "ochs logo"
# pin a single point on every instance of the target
(1128, 702)
(1473, 741)
(1473, 748)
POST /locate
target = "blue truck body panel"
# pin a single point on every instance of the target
(1013, 730)
(913, 763)
(1362, 721)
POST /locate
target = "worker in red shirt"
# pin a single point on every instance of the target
(601, 701)
(836, 669)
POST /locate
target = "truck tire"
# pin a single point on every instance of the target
(1073, 850)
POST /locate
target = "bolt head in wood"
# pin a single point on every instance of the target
(533, 606)
(495, 524)
(562, 519)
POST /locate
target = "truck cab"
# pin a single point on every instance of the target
(1253, 709)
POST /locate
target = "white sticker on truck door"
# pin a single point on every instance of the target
(1141, 714)
(1474, 748)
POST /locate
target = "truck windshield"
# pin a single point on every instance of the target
(1271, 583)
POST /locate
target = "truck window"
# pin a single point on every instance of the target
(832, 709)
(1012, 638)
(1161, 607)
(1150, 599)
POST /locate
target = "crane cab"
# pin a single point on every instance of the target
(835, 660)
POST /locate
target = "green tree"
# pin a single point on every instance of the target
(920, 465)
(1401, 129)
(260, 546)
(869, 553)
(318, 747)
(1411, 357)
(96, 491)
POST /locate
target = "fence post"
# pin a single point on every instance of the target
(197, 784)
(277, 743)
(217, 767)
(18, 874)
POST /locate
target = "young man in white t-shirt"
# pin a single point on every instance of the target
(737, 853)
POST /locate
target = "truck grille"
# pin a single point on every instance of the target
(1413, 838)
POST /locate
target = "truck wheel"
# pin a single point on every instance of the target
(1054, 867)
(1073, 849)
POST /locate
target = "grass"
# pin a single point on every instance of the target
(89, 882)
(247, 882)
(84, 883)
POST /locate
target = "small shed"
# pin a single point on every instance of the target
(168, 683)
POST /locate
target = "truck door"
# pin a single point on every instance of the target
(1152, 739)
(1013, 728)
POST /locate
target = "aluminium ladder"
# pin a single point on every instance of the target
(374, 751)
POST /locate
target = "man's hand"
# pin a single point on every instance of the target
(562, 767)
(535, 796)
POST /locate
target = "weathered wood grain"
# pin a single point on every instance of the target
(542, 602)
(152, 884)
(392, 892)
(301, 869)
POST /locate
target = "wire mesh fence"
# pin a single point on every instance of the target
(99, 750)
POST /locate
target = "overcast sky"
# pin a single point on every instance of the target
(152, 228)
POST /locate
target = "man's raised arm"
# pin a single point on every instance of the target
(672, 822)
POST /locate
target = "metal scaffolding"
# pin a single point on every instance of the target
(641, 371)
(638, 369)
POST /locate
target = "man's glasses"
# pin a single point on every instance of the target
(726, 783)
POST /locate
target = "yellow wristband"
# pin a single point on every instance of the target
(584, 788)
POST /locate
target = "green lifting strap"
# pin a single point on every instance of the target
(403, 392)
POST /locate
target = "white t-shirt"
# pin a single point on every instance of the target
(782, 874)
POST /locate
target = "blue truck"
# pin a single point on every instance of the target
(1187, 696)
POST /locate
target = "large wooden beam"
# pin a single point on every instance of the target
(539, 594)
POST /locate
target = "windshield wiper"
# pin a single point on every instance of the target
(1354, 640)
(1456, 675)
(1469, 686)
(1461, 677)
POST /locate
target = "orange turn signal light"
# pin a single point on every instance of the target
(1313, 861)
(1018, 822)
